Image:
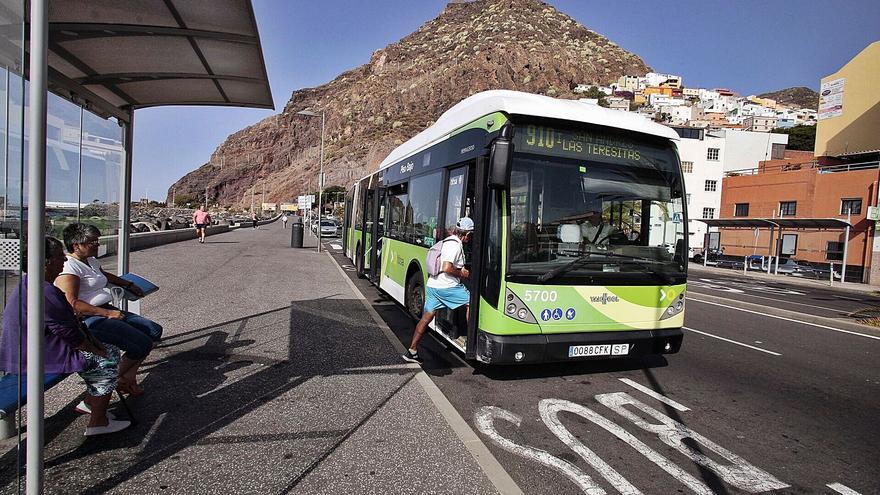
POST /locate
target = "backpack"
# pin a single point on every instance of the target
(432, 259)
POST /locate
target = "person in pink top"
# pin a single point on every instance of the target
(201, 219)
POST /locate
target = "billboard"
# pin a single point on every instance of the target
(269, 206)
(831, 99)
(289, 207)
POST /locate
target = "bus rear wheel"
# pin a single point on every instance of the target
(415, 296)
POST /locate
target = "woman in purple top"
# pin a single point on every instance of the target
(68, 348)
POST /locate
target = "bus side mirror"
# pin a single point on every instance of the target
(499, 163)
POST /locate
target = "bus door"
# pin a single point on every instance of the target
(347, 222)
(459, 202)
(377, 231)
(370, 185)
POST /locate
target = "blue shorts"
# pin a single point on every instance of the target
(451, 298)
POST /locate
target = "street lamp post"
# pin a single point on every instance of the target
(308, 113)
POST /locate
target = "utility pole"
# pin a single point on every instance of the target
(206, 198)
(252, 197)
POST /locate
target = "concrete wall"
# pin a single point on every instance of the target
(144, 240)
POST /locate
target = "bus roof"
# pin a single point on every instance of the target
(516, 102)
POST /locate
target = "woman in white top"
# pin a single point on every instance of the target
(83, 281)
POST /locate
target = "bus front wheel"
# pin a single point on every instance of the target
(415, 296)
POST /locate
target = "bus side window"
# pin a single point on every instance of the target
(398, 205)
(454, 199)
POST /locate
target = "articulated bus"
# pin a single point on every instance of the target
(539, 176)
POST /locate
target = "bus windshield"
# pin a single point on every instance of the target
(580, 209)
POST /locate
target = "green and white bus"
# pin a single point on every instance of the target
(529, 170)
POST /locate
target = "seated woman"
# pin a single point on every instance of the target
(83, 282)
(68, 348)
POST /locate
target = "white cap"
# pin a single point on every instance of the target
(465, 224)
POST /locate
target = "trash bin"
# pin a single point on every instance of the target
(296, 232)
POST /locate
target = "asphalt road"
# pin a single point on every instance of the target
(753, 403)
(820, 301)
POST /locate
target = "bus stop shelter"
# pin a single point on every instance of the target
(113, 58)
(777, 226)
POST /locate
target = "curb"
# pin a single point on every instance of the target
(493, 469)
(794, 315)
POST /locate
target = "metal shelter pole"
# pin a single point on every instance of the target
(845, 245)
(778, 251)
(770, 251)
(125, 199)
(36, 247)
(321, 183)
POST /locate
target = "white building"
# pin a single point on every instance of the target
(628, 83)
(678, 114)
(618, 103)
(691, 92)
(744, 149)
(656, 79)
(706, 156)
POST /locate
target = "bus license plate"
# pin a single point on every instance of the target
(598, 350)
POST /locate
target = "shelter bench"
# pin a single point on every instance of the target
(9, 392)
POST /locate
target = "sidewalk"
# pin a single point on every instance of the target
(272, 377)
(697, 269)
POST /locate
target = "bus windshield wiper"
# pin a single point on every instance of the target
(580, 260)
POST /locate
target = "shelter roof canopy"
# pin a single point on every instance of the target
(783, 223)
(120, 56)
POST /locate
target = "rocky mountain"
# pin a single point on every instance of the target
(800, 97)
(525, 45)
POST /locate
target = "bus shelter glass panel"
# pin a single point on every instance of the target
(62, 164)
(12, 166)
(103, 160)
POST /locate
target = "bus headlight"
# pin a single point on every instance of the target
(674, 308)
(516, 309)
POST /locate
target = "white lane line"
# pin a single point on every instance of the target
(849, 298)
(732, 341)
(841, 488)
(833, 310)
(662, 398)
(789, 319)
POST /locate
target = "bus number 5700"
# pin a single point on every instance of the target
(540, 295)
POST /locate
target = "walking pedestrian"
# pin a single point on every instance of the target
(254, 219)
(201, 219)
(284, 220)
(445, 289)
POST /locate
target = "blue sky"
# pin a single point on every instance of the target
(749, 46)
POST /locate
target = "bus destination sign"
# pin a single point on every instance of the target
(577, 144)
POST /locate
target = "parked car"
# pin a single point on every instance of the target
(328, 228)
(807, 269)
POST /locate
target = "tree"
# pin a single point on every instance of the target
(595, 93)
(800, 137)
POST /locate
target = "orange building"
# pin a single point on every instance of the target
(801, 187)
